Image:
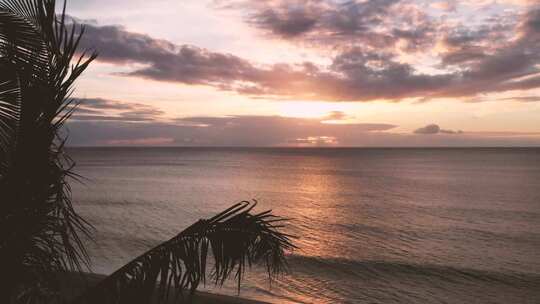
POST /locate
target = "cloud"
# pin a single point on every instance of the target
(219, 131)
(354, 75)
(523, 98)
(110, 126)
(289, 22)
(510, 99)
(164, 60)
(435, 129)
(330, 23)
(104, 104)
(273, 131)
(99, 109)
(336, 115)
(499, 56)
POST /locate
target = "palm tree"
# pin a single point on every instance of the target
(39, 229)
(41, 234)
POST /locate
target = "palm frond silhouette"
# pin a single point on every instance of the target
(41, 235)
(40, 232)
(235, 239)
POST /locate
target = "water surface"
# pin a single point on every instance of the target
(375, 225)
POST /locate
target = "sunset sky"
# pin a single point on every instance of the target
(309, 73)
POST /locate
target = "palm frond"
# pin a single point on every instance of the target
(10, 110)
(235, 239)
(40, 232)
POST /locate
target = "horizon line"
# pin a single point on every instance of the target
(314, 147)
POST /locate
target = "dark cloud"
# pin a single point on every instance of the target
(354, 16)
(370, 75)
(272, 131)
(496, 53)
(221, 131)
(354, 75)
(99, 109)
(358, 72)
(523, 99)
(512, 99)
(102, 117)
(329, 24)
(165, 61)
(435, 129)
(102, 104)
(429, 129)
(532, 22)
(289, 22)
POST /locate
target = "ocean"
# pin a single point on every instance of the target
(412, 225)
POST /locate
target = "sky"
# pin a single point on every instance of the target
(309, 73)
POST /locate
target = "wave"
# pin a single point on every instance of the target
(111, 203)
(132, 163)
(392, 270)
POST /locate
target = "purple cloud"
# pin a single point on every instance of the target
(358, 72)
(432, 129)
(99, 109)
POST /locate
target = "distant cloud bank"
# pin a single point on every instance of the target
(103, 122)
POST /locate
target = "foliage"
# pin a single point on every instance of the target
(40, 232)
(235, 239)
(41, 235)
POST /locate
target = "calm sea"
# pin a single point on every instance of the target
(374, 225)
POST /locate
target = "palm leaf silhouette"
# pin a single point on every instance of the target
(235, 239)
(40, 232)
(39, 229)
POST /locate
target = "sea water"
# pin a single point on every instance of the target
(373, 225)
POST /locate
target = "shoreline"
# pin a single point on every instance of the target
(74, 284)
